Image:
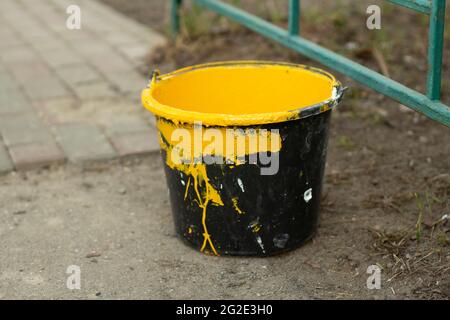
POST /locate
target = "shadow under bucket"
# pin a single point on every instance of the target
(244, 147)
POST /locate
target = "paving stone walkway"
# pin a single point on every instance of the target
(71, 95)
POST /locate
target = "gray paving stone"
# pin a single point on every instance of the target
(16, 13)
(95, 91)
(17, 54)
(38, 80)
(58, 24)
(116, 39)
(12, 101)
(32, 31)
(114, 63)
(137, 52)
(62, 56)
(36, 155)
(133, 83)
(90, 47)
(11, 40)
(84, 142)
(146, 35)
(131, 125)
(63, 4)
(46, 88)
(152, 121)
(6, 81)
(119, 23)
(136, 143)
(31, 71)
(57, 111)
(47, 45)
(116, 20)
(78, 74)
(24, 129)
(5, 161)
(44, 8)
(133, 136)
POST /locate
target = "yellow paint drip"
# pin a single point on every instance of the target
(236, 207)
(204, 191)
(255, 226)
(187, 188)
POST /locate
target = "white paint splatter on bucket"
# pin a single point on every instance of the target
(241, 185)
(259, 240)
(307, 195)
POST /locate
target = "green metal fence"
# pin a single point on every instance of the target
(429, 104)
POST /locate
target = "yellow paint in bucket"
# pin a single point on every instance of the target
(239, 93)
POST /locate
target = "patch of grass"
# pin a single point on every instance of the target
(442, 239)
(275, 13)
(314, 14)
(420, 206)
(391, 243)
(382, 40)
(387, 8)
(418, 249)
(339, 19)
(195, 21)
(346, 142)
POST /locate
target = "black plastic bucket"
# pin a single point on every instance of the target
(262, 196)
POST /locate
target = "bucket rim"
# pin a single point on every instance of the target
(178, 115)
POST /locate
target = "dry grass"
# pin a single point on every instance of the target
(407, 253)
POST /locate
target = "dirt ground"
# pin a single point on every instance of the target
(387, 189)
(114, 222)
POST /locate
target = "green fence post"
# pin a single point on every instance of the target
(175, 17)
(435, 49)
(294, 17)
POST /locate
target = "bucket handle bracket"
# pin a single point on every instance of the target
(153, 77)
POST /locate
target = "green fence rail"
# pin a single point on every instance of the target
(428, 104)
